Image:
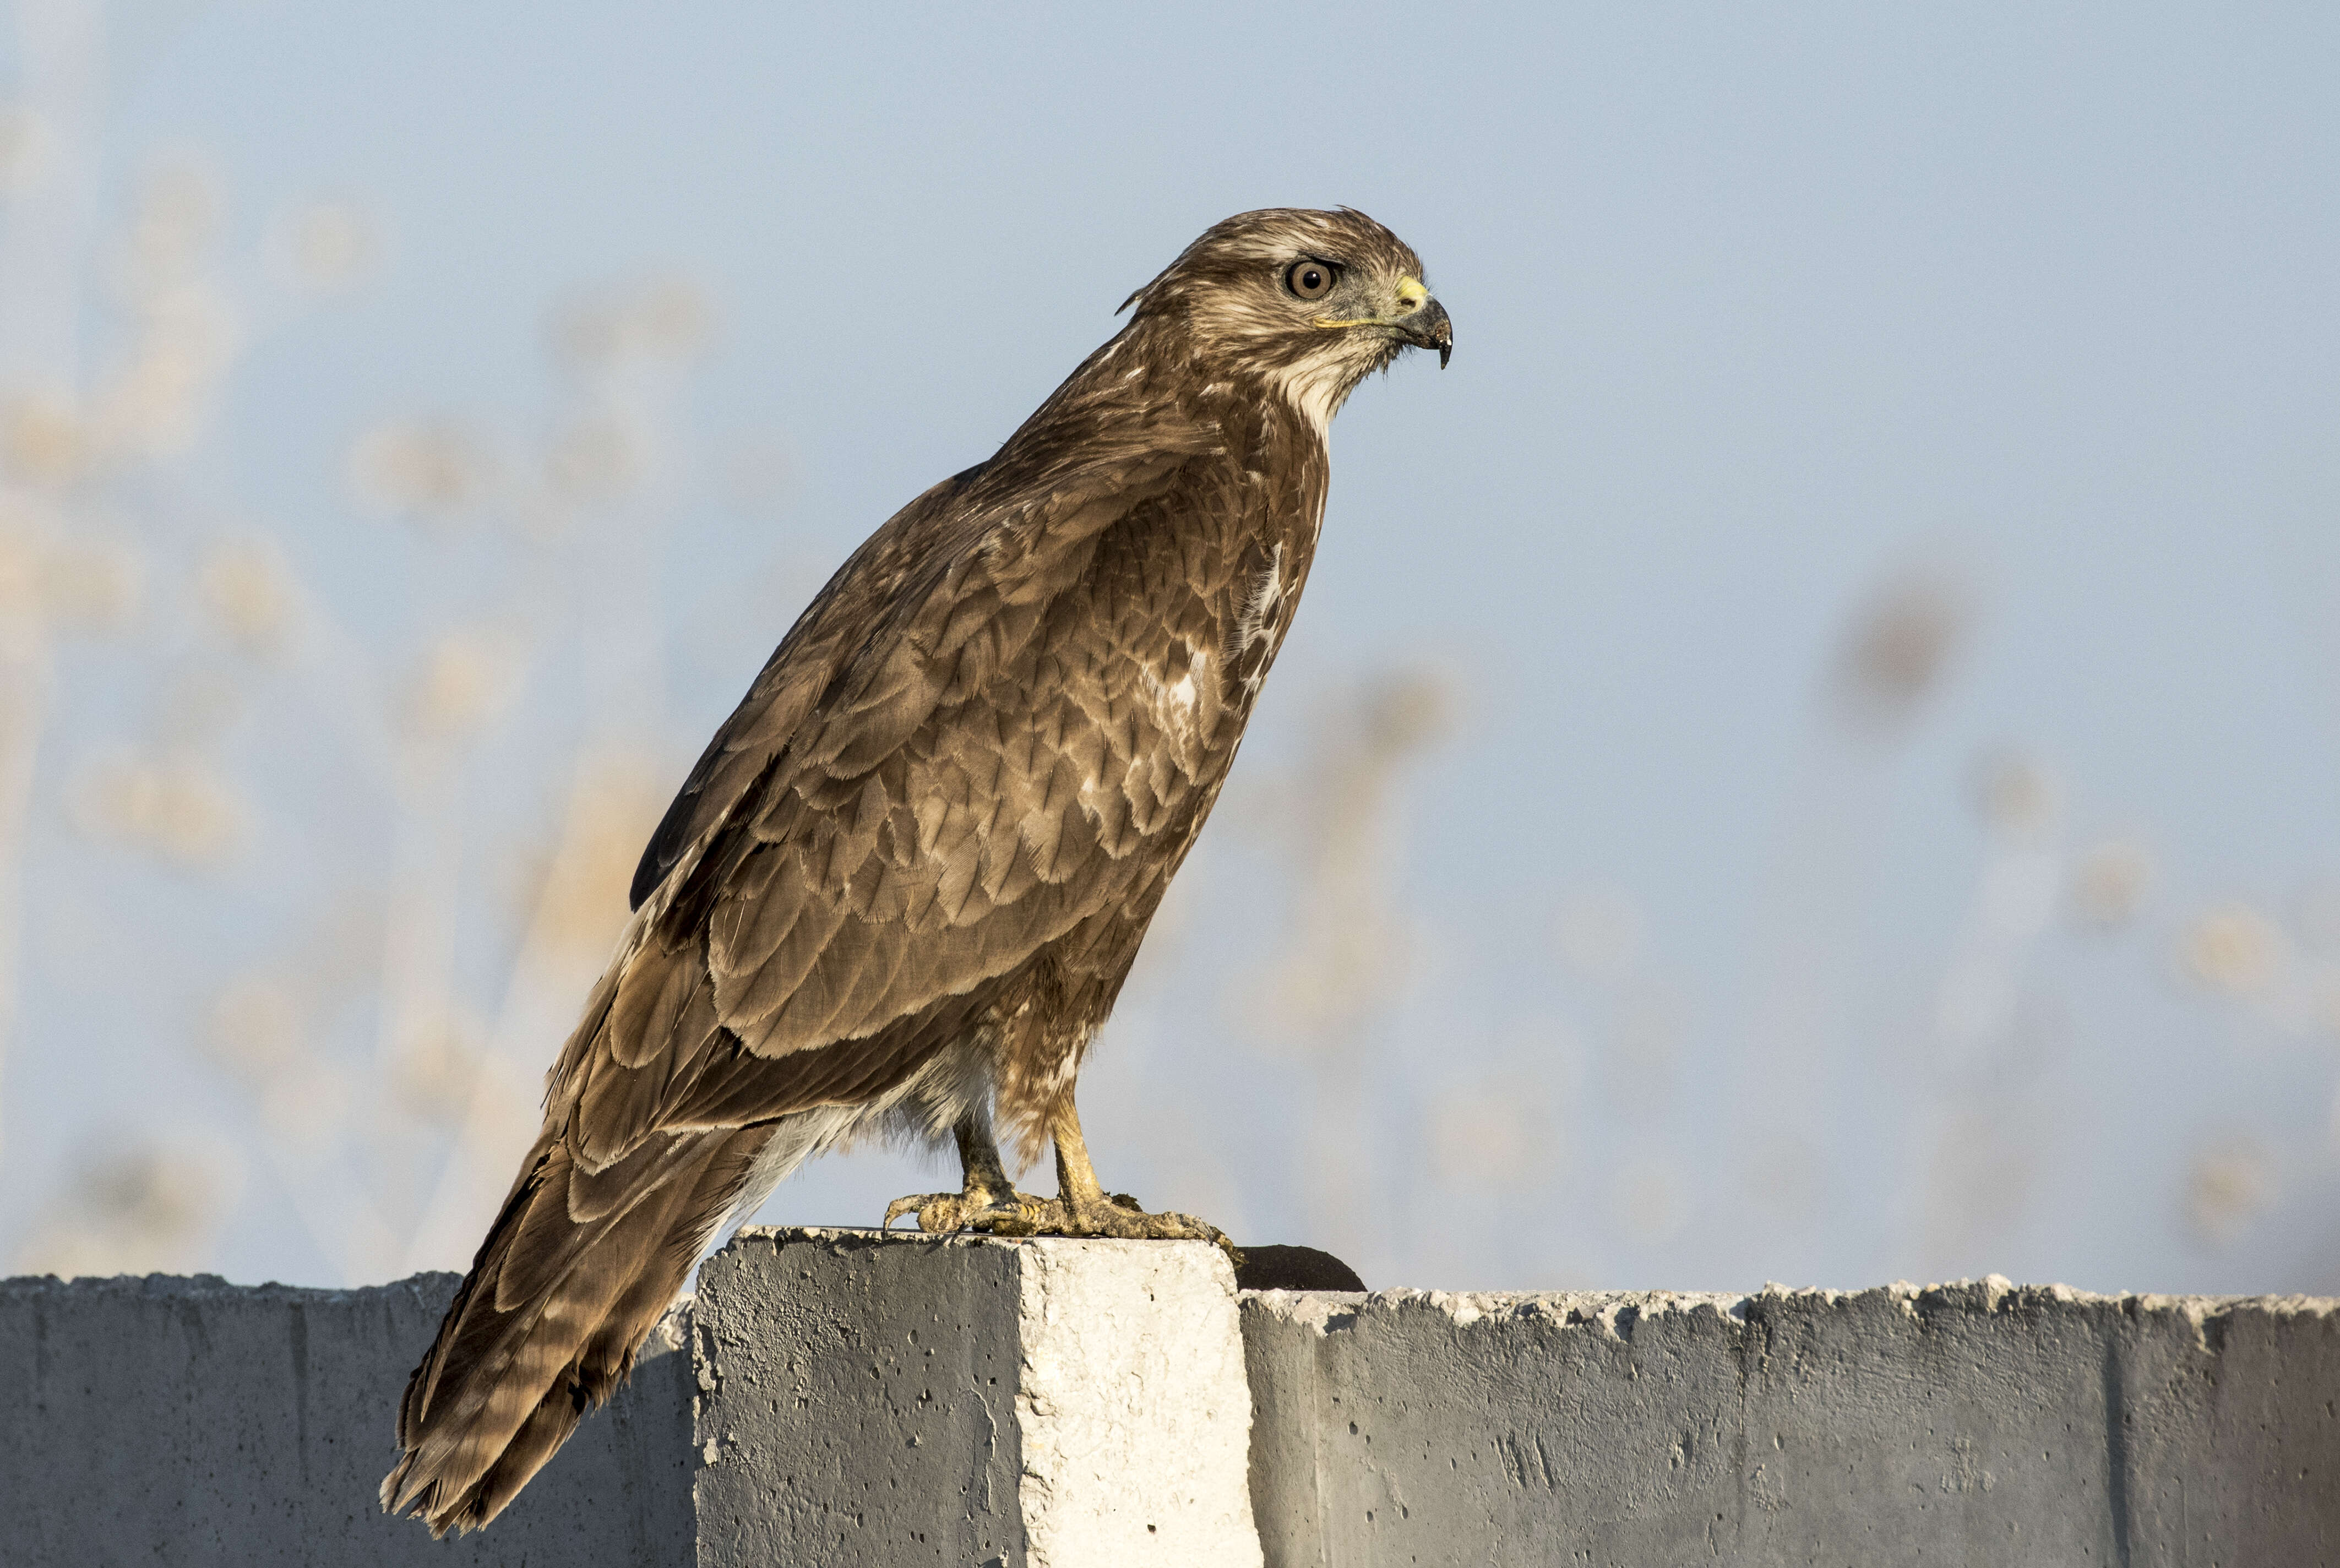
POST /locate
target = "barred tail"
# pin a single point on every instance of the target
(573, 1275)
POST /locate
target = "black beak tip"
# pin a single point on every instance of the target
(1438, 332)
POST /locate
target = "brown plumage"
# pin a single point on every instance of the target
(904, 884)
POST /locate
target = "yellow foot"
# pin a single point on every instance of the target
(1020, 1213)
(976, 1208)
(1118, 1217)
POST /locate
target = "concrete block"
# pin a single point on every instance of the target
(1973, 1424)
(192, 1422)
(837, 1397)
(875, 1398)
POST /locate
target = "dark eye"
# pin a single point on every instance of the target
(1310, 280)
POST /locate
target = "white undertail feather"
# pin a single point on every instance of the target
(923, 1109)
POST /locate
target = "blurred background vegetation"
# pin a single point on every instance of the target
(1810, 754)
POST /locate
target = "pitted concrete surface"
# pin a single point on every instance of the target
(847, 1400)
(184, 1421)
(1975, 1424)
(880, 1398)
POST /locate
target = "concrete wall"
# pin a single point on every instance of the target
(1973, 1424)
(190, 1421)
(842, 1399)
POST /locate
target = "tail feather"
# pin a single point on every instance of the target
(546, 1324)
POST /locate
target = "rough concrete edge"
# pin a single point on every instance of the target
(671, 1332)
(1612, 1310)
(1321, 1309)
(181, 1285)
(858, 1238)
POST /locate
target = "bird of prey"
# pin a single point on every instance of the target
(902, 888)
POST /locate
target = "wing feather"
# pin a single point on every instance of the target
(945, 767)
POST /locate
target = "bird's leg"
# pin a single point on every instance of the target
(989, 1202)
(1083, 1207)
(1077, 1187)
(985, 1199)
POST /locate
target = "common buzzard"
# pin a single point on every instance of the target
(905, 883)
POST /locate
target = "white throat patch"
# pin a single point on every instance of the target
(1317, 390)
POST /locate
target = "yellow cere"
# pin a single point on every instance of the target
(1410, 297)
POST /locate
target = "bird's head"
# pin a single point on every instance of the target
(1311, 301)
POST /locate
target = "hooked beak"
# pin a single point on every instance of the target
(1429, 327)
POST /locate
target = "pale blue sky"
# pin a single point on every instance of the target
(1752, 311)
